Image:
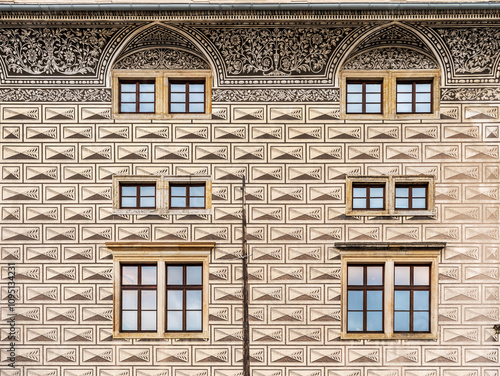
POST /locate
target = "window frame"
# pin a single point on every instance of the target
(160, 254)
(138, 195)
(414, 93)
(137, 93)
(363, 94)
(187, 196)
(186, 82)
(161, 79)
(410, 195)
(391, 254)
(368, 196)
(389, 95)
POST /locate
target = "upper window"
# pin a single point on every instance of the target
(389, 290)
(161, 94)
(137, 196)
(187, 196)
(364, 97)
(390, 195)
(414, 97)
(161, 293)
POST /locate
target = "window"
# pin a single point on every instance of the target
(187, 97)
(159, 291)
(161, 94)
(137, 96)
(389, 290)
(390, 195)
(414, 97)
(364, 97)
(396, 94)
(149, 194)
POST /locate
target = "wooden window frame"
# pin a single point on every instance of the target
(160, 254)
(368, 195)
(363, 96)
(365, 288)
(410, 195)
(414, 93)
(138, 195)
(187, 102)
(187, 196)
(391, 255)
(137, 95)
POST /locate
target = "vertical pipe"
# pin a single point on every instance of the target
(244, 260)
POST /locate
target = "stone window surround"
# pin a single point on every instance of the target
(389, 79)
(162, 193)
(389, 182)
(161, 254)
(161, 78)
(389, 254)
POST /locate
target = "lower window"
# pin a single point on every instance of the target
(389, 291)
(163, 293)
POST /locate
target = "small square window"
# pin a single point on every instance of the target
(186, 97)
(365, 197)
(414, 97)
(410, 197)
(137, 196)
(183, 196)
(364, 97)
(137, 96)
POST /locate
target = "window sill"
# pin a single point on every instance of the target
(389, 336)
(138, 116)
(391, 213)
(185, 335)
(162, 211)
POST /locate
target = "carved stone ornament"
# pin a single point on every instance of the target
(391, 58)
(161, 58)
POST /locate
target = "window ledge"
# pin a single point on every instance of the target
(162, 211)
(392, 213)
(389, 336)
(390, 247)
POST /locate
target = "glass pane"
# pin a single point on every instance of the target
(402, 300)
(354, 88)
(193, 275)
(197, 88)
(373, 88)
(146, 97)
(354, 98)
(128, 97)
(418, 192)
(421, 275)
(354, 321)
(148, 275)
(423, 107)
(355, 300)
(402, 321)
(420, 321)
(174, 275)
(423, 97)
(147, 191)
(193, 299)
(359, 192)
(418, 203)
(130, 88)
(129, 299)
(406, 88)
(129, 202)
(376, 203)
(354, 108)
(402, 275)
(402, 192)
(127, 107)
(178, 107)
(196, 107)
(197, 202)
(174, 299)
(373, 108)
(147, 202)
(174, 320)
(147, 88)
(376, 192)
(355, 275)
(197, 97)
(193, 320)
(421, 300)
(374, 300)
(374, 321)
(423, 88)
(146, 107)
(148, 300)
(130, 275)
(404, 97)
(178, 191)
(374, 275)
(128, 191)
(178, 202)
(129, 320)
(403, 107)
(148, 320)
(373, 98)
(178, 88)
(177, 97)
(402, 203)
(359, 203)
(197, 191)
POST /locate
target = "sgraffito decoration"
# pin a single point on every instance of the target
(161, 58)
(471, 94)
(391, 58)
(55, 95)
(275, 95)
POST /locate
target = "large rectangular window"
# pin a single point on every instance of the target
(414, 97)
(411, 197)
(137, 96)
(187, 196)
(368, 197)
(140, 196)
(186, 97)
(364, 97)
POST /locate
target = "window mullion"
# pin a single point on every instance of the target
(161, 298)
(389, 298)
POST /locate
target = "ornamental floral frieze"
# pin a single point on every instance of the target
(161, 58)
(55, 95)
(275, 95)
(391, 58)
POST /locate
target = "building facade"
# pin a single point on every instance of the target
(369, 143)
